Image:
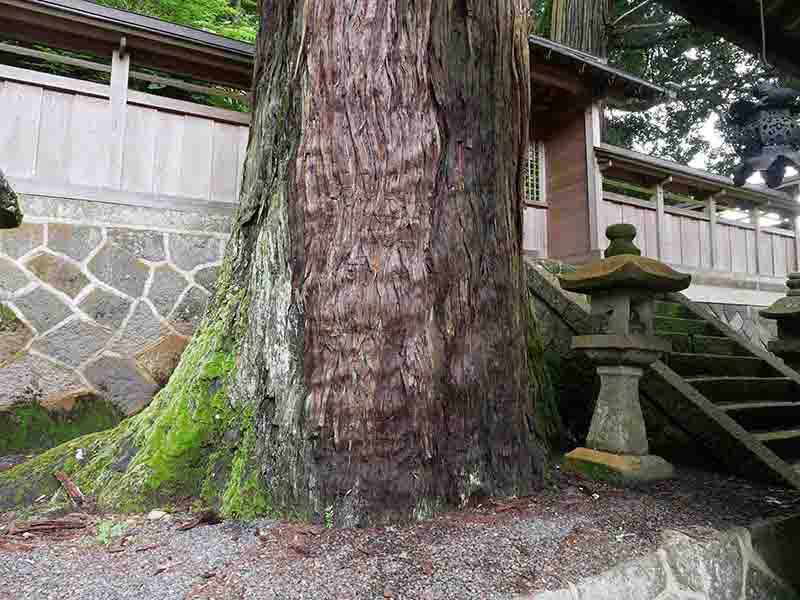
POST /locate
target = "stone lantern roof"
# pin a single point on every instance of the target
(624, 268)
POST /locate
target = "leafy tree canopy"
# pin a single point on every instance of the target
(705, 71)
(231, 18)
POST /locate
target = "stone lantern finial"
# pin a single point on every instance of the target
(623, 289)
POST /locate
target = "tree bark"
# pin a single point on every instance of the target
(364, 355)
(582, 25)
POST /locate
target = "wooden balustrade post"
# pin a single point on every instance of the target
(797, 243)
(661, 221)
(756, 219)
(713, 230)
(120, 69)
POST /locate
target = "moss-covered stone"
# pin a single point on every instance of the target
(32, 427)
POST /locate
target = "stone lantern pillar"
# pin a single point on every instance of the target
(623, 289)
(786, 312)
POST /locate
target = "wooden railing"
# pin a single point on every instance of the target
(700, 238)
(68, 138)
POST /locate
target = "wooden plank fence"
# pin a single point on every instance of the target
(62, 136)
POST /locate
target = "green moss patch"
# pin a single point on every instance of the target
(31, 427)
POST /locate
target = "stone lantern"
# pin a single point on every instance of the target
(766, 133)
(786, 312)
(623, 289)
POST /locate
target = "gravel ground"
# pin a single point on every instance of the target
(493, 551)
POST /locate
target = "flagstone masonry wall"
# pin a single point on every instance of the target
(100, 300)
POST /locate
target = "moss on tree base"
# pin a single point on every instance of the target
(31, 427)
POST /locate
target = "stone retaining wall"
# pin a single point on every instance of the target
(698, 564)
(100, 300)
(746, 321)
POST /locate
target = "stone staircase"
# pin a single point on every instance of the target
(739, 401)
(733, 399)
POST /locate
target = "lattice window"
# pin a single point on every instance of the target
(534, 174)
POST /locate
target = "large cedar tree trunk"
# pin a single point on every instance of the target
(364, 354)
(582, 24)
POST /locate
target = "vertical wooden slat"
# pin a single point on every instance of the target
(225, 160)
(712, 232)
(169, 147)
(690, 242)
(196, 156)
(20, 113)
(141, 131)
(781, 266)
(723, 248)
(52, 160)
(89, 142)
(650, 247)
(755, 218)
(752, 251)
(120, 67)
(738, 249)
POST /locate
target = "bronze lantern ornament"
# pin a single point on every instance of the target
(766, 133)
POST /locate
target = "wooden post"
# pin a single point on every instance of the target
(661, 221)
(120, 68)
(595, 177)
(756, 219)
(797, 243)
(712, 227)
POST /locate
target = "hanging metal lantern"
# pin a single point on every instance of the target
(766, 133)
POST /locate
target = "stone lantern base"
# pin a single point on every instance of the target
(620, 469)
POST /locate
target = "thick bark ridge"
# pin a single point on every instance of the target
(364, 355)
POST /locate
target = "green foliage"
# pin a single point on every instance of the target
(108, 531)
(232, 19)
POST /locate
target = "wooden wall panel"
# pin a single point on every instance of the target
(196, 158)
(225, 163)
(89, 150)
(766, 254)
(53, 158)
(139, 152)
(169, 148)
(534, 230)
(752, 264)
(739, 249)
(19, 128)
(724, 248)
(780, 262)
(567, 190)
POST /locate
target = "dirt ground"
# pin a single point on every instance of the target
(494, 551)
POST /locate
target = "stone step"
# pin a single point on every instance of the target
(783, 442)
(685, 326)
(702, 344)
(674, 310)
(695, 365)
(764, 415)
(724, 390)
